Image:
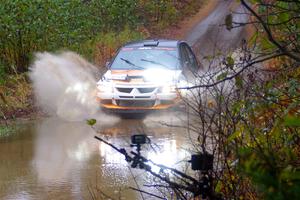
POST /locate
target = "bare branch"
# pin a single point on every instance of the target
(235, 74)
(150, 194)
(283, 49)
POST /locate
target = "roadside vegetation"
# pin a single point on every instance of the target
(6, 131)
(15, 95)
(94, 29)
(265, 137)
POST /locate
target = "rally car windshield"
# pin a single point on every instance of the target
(146, 58)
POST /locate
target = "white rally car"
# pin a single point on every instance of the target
(145, 75)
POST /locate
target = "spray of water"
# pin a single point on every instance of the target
(64, 85)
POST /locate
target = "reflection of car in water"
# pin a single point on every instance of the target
(144, 75)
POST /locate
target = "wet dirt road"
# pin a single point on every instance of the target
(210, 37)
(54, 159)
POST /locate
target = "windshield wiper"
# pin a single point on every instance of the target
(132, 64)
(154, 62)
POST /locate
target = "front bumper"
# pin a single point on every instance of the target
(137, 99)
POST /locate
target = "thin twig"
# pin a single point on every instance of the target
(150, 194)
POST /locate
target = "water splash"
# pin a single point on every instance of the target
(64, 85)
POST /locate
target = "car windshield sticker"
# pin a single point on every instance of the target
(145, 48)
(127, 49)
(165, 48)
(148, 48)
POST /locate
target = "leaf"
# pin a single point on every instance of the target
(238, 82)
(91, 122)
(266, 44)
(289, 174)
(222, 76)
(283, 17)
(292, 121)
(229, 62)
(218, 186)
(228, 22)
(234, 135)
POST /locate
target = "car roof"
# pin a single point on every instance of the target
(154, 42)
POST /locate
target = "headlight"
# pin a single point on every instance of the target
(105, 87)
(168, 89)
(158, 76)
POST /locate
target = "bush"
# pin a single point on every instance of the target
(106, 45)
(14, 95)
(29, 26)
(2, 73)
(160, 14)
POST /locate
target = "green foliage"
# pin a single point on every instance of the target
(239, 82)
(222, 76)
(34, 25)
(229, 62)
(2, 73)
(292, 121)
(271, 173)
(266, 134)
(6, 130)
(115, 14)
(15, 93)
(267, 142)
(29, 26)
(161, 13)
(105, 45)
(91, 122)
(282, 20)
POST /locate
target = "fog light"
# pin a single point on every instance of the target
(105, 88)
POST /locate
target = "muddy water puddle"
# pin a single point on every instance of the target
(54, 159)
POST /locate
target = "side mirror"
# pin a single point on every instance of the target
(107, 64)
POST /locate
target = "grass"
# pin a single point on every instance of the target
(15, 93)
(103, 47)
(7, 130)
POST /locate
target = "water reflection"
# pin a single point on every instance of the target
(60, 147)
(111, 156)
(56, 159)
(168, 156)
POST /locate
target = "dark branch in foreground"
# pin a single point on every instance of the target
(235, 74)
(271, 38)
(150, 194)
